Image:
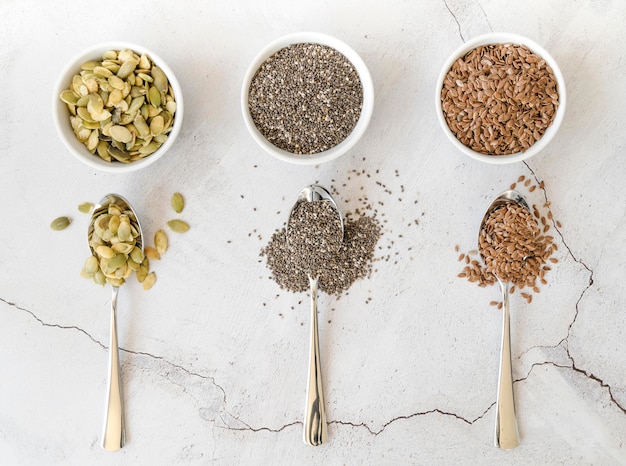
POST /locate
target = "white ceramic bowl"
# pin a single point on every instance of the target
(501, 38)
(61, 114)
(366, 110)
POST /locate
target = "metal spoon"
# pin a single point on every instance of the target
(114, 433)
(506, 435)
(315, 427)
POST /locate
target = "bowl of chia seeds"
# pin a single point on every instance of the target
(307, 98)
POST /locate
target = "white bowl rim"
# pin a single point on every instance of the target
(499, 38)
(366, 109)
(77, 148)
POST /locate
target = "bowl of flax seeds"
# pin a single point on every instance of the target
(307, 98)
(500, 98)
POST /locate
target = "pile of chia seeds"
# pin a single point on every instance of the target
(311, 247)
(306, 98)
(314, 235)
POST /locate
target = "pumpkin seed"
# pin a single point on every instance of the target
(69, 97)
(142, 272)
(156, 125)
(178, 226)
(120, 133)
(178, 203)
(91, 266)
(160, 80)
(151, 253)
(154, 96)
(149, 281)
(160, 242)
(60, 223)
(105, 252)
(116, 262)
(85, 207)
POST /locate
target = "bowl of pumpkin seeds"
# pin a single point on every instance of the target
(117, 107)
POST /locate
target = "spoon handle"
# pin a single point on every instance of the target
(113, 436)
(506, 434)
(315, 428)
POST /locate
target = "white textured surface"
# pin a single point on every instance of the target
(214, 364)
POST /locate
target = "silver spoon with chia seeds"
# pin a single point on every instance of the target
(114, 433)
(314, 234)
(506, 435)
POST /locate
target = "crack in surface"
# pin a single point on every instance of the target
(574, 368)
(458, 24)
(485, 15)
(45, 324)
(103, 346)
(565, 341)
(363, 425)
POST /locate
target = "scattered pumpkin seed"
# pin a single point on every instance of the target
(160, 242)
(60, 223)
(149, 281)
(178, 226)
(178, 203)
(151, 253)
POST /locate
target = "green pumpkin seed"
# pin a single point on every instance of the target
(60, 223)
(91, 265)
(178, 226)
(116, 262)
(69, 97)
(160, 80)
(142, 272)
(85, 207)
(178, 203)
(154, 96)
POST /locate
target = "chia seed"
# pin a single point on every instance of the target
(306, 98)
(314, 235)
(339, 264)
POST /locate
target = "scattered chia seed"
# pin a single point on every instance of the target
(306, 98)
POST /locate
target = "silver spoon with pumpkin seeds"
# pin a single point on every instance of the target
(116, 243)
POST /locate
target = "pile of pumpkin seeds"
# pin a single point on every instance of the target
(116, 245)
(121, 107)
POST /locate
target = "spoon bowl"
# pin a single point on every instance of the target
(114, 432)
(315, 426)
(506, 435)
